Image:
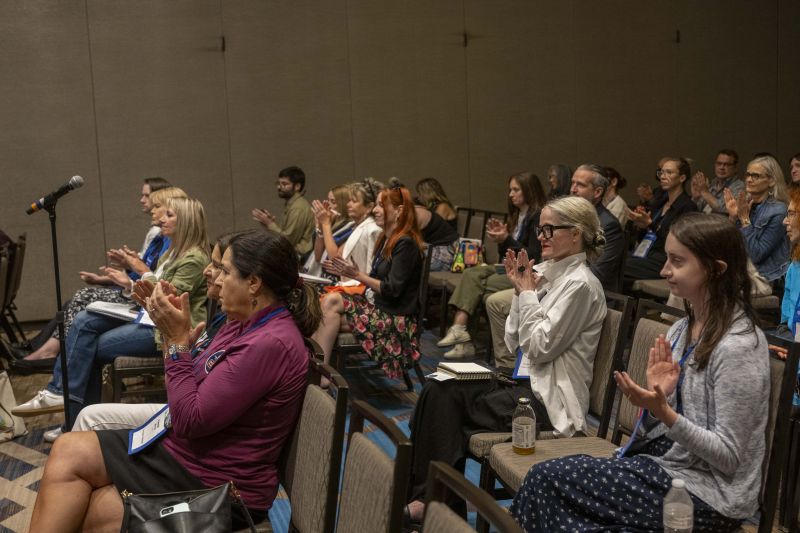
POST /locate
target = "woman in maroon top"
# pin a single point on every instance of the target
(232, 408)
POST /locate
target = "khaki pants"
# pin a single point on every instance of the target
(476, 283)
(498, 307)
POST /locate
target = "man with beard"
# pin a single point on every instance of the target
(297, 223)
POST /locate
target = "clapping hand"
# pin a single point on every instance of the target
(118, 276)
(520, 271)
(641, 218)
(662, 378)
(496, 230)
(699, 185)
(143, 289)
(341, 267)
(322, 212)
(94, 279)
(172, 316)
(737, 206)
(262, 216)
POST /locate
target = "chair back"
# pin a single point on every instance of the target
(462, 220)
(373, 486)
(477, 224)
(644, 337)
(15, 267)
(783, 381)
(608, 359)
(443, 479)
(422, 302)
(309, 468)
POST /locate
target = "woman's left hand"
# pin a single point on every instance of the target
(496, 230)
(743, 205)
(520, 271)
(172, 315)
(341, 267)
(654, 401)
(119, 277)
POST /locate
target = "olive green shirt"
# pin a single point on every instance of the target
(186, 274)
(297, 224)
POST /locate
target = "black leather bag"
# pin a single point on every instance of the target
(207, 511)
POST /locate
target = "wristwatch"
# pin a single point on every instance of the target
(174, 349)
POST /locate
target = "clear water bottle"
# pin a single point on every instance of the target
(523, 428)
(678, 509)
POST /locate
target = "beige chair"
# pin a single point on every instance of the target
(510, 468)
(347, 344)
(609, 357)
(310, 465)
(442, 480)
(374, 486)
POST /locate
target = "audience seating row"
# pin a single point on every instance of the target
(12, 258)
(510, 468)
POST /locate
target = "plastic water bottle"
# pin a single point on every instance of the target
(678, 509)
(523, 428)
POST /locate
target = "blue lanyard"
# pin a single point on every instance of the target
(204, 340)
(263, 320)
(679, 401)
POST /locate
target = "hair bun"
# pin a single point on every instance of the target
(599, 239)
(394, 183)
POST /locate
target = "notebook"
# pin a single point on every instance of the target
(465, 371)
(319, 280)
(125, 312)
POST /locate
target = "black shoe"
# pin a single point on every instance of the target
(36, 366)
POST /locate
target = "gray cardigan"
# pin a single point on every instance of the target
(720, 439)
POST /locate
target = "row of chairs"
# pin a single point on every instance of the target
(500, 463)
(12, 258)
(373, 485)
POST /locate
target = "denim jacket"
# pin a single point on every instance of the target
(765, 238)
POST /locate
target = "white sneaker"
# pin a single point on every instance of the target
(454, 336)
(461, 351)
(44, 402)
(53, 434)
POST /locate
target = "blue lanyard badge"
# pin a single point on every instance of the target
(149, 432)
(679, 407)
(647, 242)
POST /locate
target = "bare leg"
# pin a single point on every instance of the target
(461, 318)
(332, 318)
(48, 350)
(73, 471)
(105, 511)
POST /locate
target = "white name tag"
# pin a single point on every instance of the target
(523, 367)
(149, 432)
(644, 246)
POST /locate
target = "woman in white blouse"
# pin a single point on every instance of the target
(556, 317)
(360, 246)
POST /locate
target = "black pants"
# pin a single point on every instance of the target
(449, 412)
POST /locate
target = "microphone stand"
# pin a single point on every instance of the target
(51, 209)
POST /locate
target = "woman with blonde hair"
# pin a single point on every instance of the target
(108, 286)
(556, 316)
(431, 195)
(759, 211)
(333, 227)
(96, 339)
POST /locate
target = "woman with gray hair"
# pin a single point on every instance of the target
(556, 317)
(759, 211)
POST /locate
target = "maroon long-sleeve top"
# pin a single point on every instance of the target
(234, 406)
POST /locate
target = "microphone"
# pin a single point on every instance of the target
(75, 182)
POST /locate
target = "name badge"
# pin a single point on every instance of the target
(644, 246)
(149, 432)
(522, 369)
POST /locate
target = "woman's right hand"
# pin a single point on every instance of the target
(662, 370)
(322, 213)
(496, 230)
(640, 218)
(94, 279)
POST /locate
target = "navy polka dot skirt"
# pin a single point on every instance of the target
(582, 493)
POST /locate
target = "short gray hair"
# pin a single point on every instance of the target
(599, 178)
(579, 212)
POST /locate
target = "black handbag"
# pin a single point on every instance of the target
(207, 510)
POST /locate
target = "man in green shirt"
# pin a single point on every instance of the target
(297, 223)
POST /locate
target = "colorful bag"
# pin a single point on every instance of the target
(469, 254)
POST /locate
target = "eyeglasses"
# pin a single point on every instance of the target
(548, 229)
(755, 175)
(661, 172)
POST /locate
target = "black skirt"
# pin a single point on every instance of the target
(153, 471)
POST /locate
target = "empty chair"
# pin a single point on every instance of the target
(373, 486)
(442, 480)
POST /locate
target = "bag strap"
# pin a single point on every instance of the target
(238, 499)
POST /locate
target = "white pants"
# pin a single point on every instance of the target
(115, 416)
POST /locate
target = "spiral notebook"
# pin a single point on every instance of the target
(465, 371)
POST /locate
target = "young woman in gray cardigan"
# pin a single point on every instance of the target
(706, 401)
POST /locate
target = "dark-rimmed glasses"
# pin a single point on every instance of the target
(548, 229)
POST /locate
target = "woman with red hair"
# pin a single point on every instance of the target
(383, 318)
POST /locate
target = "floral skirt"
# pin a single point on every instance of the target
(391, 340)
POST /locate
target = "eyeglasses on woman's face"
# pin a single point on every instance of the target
(756, 175)
(548, 229)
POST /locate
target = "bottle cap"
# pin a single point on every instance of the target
(524, 401)
(678, 483)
